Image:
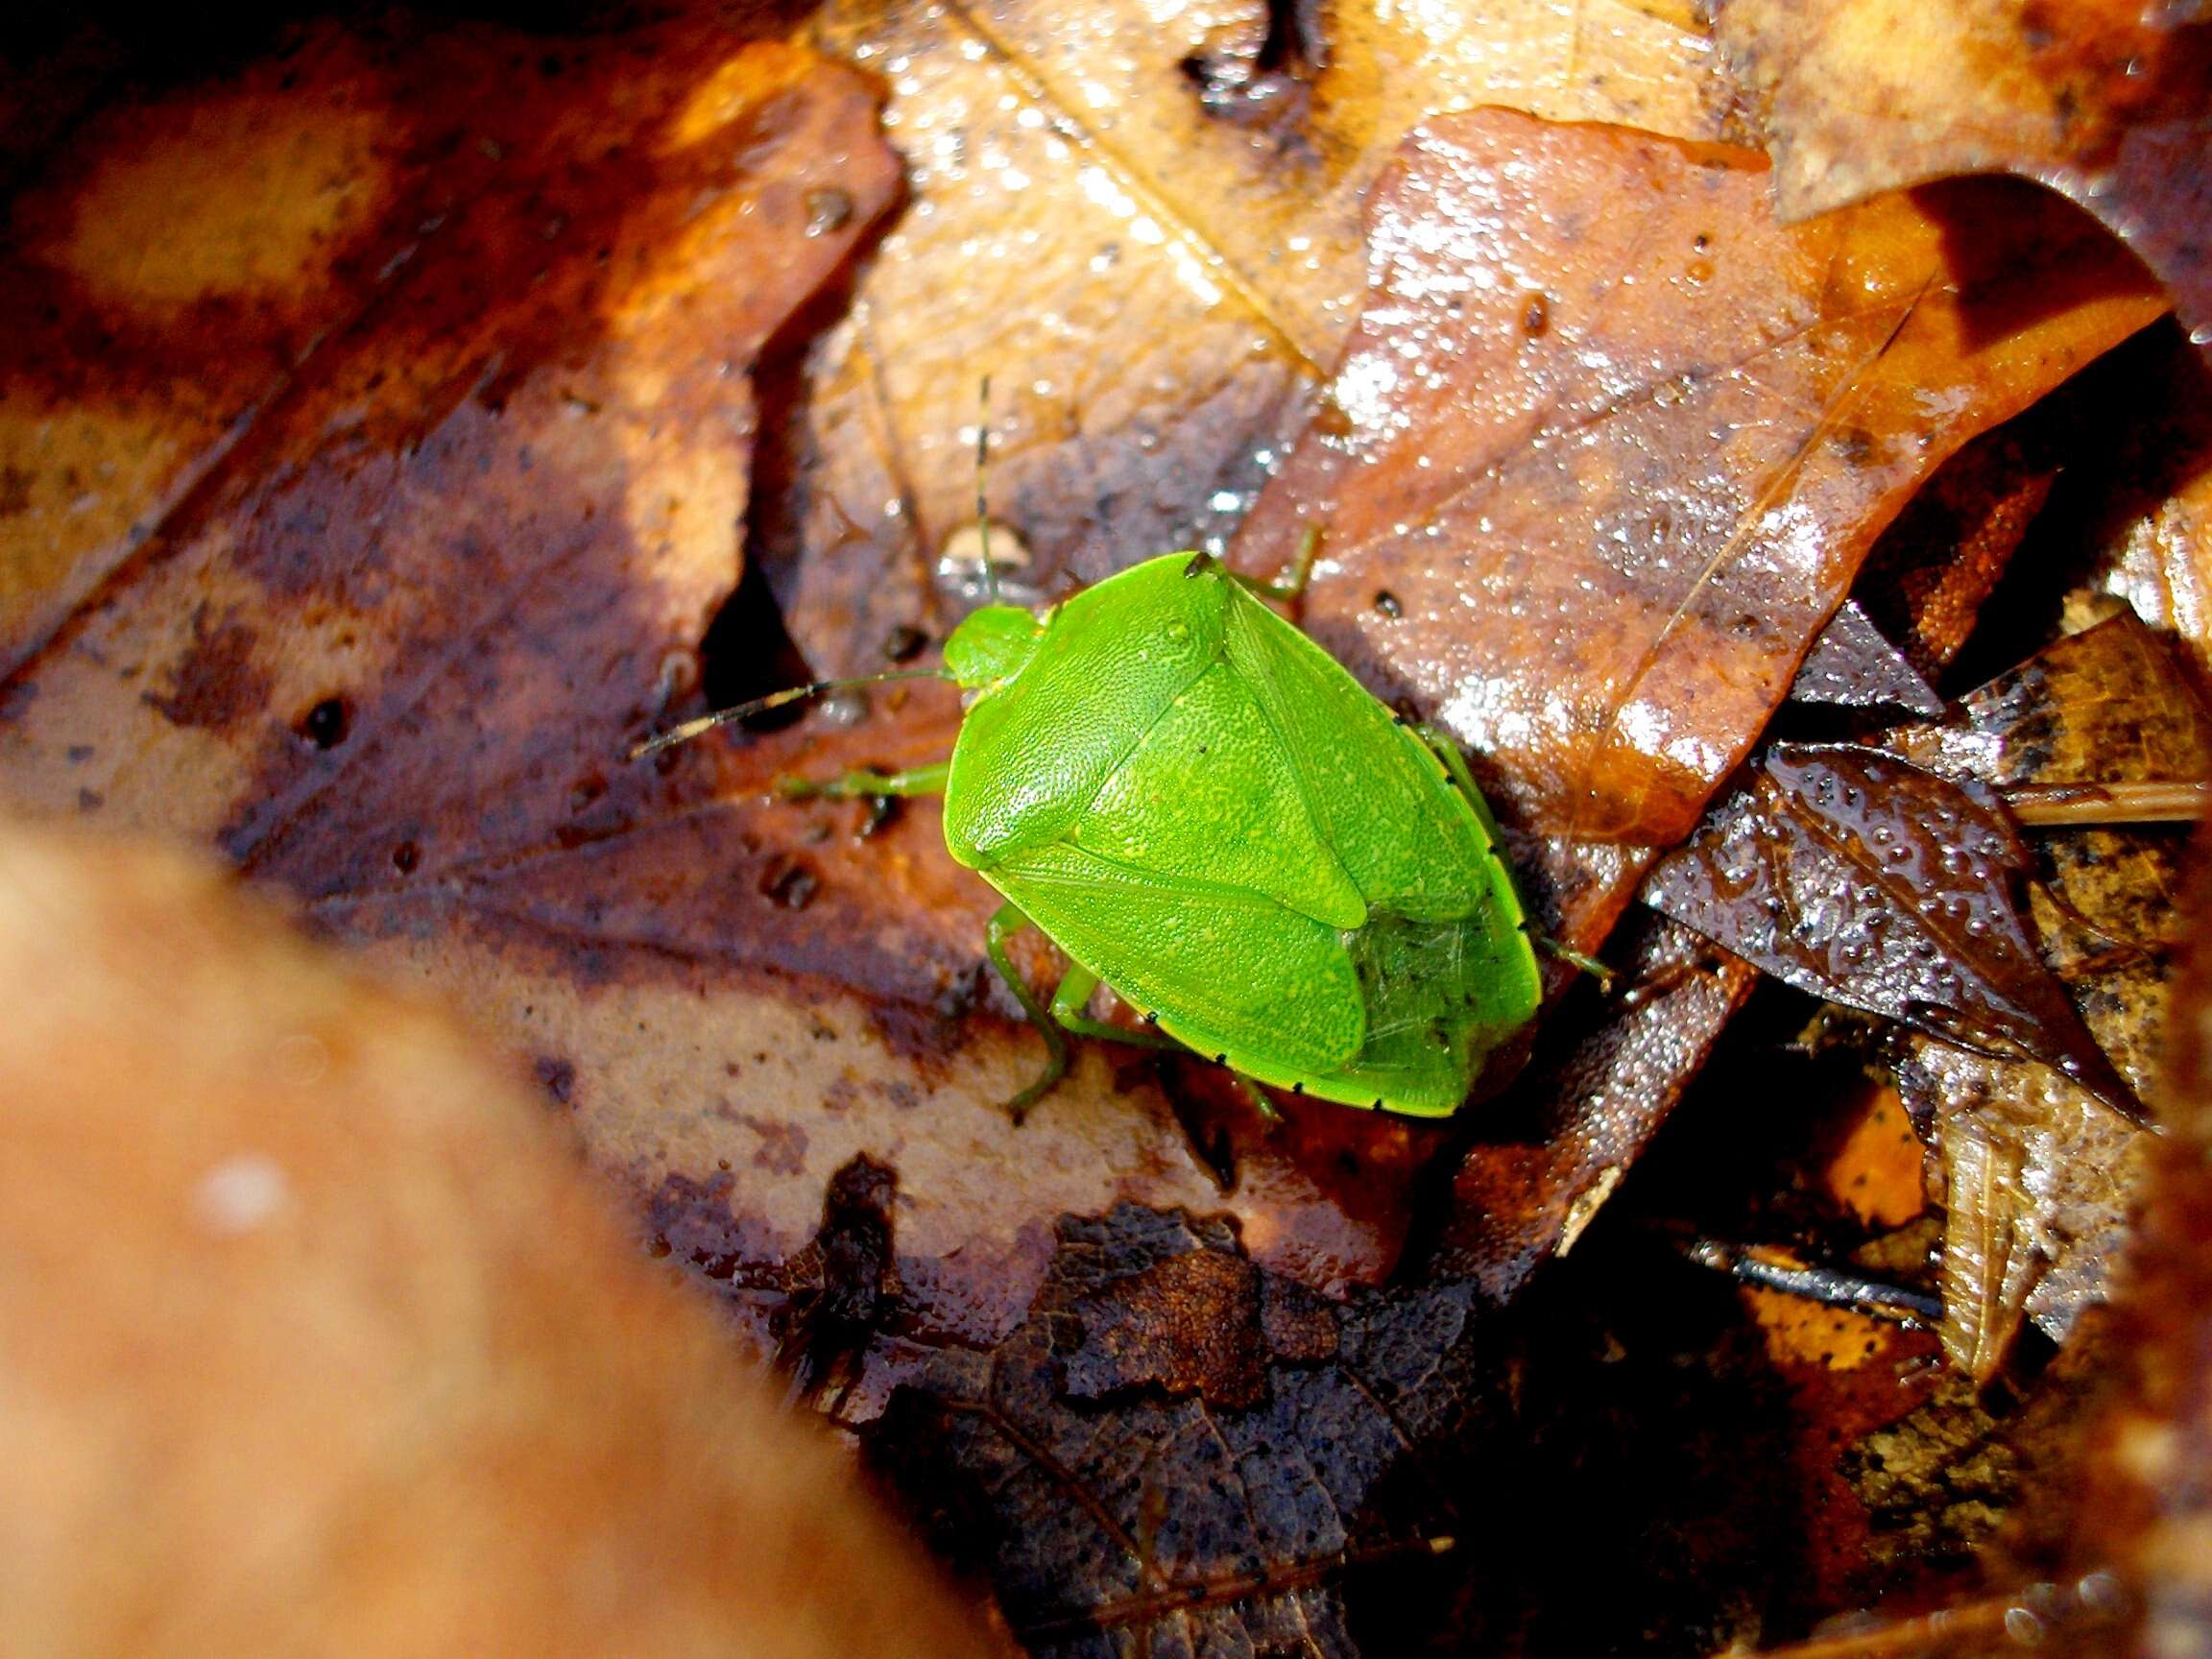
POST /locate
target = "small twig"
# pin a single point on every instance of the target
(1831, 1287)
(2106, 805)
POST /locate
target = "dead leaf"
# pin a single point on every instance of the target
(185, 256)
(1850, 665)
(1152, 278)
(1881, 887)
(2106, 101)
(2041, 1177)
(1227, 1510)
(1295, 1497)
(318, 1342)
(1580, 526)
(393, 654)
(2145, 1503)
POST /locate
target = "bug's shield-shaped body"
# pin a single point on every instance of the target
(1201, 807)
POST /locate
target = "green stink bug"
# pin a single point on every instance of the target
(1208, 814)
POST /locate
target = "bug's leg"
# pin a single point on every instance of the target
(1074, 994)
(1301, 570)
(1575, 958)
(1007, 921)
(916, 781)
(1447, 750)
(1256, 1099)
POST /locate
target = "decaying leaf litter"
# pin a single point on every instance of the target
(375, 605)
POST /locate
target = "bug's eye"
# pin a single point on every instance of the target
(990, 646)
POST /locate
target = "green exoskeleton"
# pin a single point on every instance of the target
(1207, 814)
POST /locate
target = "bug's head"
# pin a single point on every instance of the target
(990, 646)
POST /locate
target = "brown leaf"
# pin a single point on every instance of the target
(2107, 101)
(1190, 1324)
(1175, 1515)
(318, 1342)
(1876, 885)
(1624, 1410)
(394, 652)
(187, 257)
(403, 570)
(2103, 706)
(2042, 1178)
(1852, 666)
(2149, 510)
(1152, 276)
(1608, 444)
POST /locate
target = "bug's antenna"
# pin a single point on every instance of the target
(691, 729)
(982, 509)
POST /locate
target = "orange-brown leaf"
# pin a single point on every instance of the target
(1608, 444)
(2108, 101)
(1152, 270)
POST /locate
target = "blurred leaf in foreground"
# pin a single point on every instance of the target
(396, 1384)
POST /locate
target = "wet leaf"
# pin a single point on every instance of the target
(1151, 242)
(2106, 101)
(1876, 885)
(1852, 666)
(395, 1352)
(393, 650)
(2042, 1178)
(1612, 444)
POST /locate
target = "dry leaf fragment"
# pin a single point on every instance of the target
(2108, 101)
